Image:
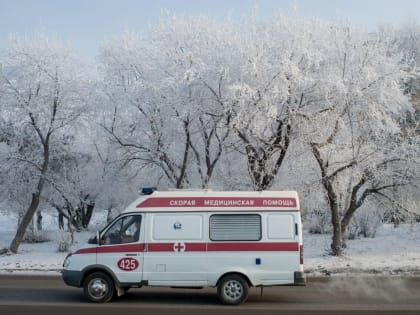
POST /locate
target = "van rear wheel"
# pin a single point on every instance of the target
(232, 290)
(98, 287)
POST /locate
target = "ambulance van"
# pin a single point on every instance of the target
(230, 240)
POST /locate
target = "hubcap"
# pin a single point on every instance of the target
(98, 288)
(233, 290)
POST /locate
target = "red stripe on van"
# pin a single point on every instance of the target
(120, 248)
(218, 202)
(194, 247)
(160, 247)
(224, 247)
(176, 247)
(90, 250)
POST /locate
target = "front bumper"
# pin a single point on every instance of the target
(72, 277)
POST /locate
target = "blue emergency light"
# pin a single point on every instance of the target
(147, 190)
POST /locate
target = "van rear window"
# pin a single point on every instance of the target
(235, 227)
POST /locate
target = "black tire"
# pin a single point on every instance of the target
(98, 287)
(232, 289)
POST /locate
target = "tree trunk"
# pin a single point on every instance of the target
(20, 233)
(61, 221)
(39, 220)
(87, 214)
(337, 239)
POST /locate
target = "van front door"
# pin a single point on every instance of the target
(122, 248)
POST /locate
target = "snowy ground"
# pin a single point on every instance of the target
(393, 251)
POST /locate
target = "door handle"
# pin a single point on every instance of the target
(131, 255)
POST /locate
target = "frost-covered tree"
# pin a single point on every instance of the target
(357, 141)
(407, 39)
(167, 95)
(282, 76)
(41, 88)
(143, 126)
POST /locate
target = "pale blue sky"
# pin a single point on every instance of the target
(87, 23)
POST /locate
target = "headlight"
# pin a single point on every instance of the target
(67, 261)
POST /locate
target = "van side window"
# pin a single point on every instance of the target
(235, 227)
(124, 230)
(280, 226)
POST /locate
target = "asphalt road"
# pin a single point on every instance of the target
(336, 295)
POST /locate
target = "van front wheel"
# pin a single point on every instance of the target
(98, 287)
(232, 290)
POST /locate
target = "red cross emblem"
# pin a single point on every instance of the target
(179, 247)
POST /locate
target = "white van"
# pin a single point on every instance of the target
(194, 238)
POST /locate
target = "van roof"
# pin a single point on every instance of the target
(208, 200)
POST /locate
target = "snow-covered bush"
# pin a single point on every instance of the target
(318, 222)
(64, 241)
(365, 223)
(34, 236)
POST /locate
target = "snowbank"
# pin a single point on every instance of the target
(392, 251)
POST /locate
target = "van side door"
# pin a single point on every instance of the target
(176, 249)
(282, 229)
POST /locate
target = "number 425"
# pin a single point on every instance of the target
(128, 264)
